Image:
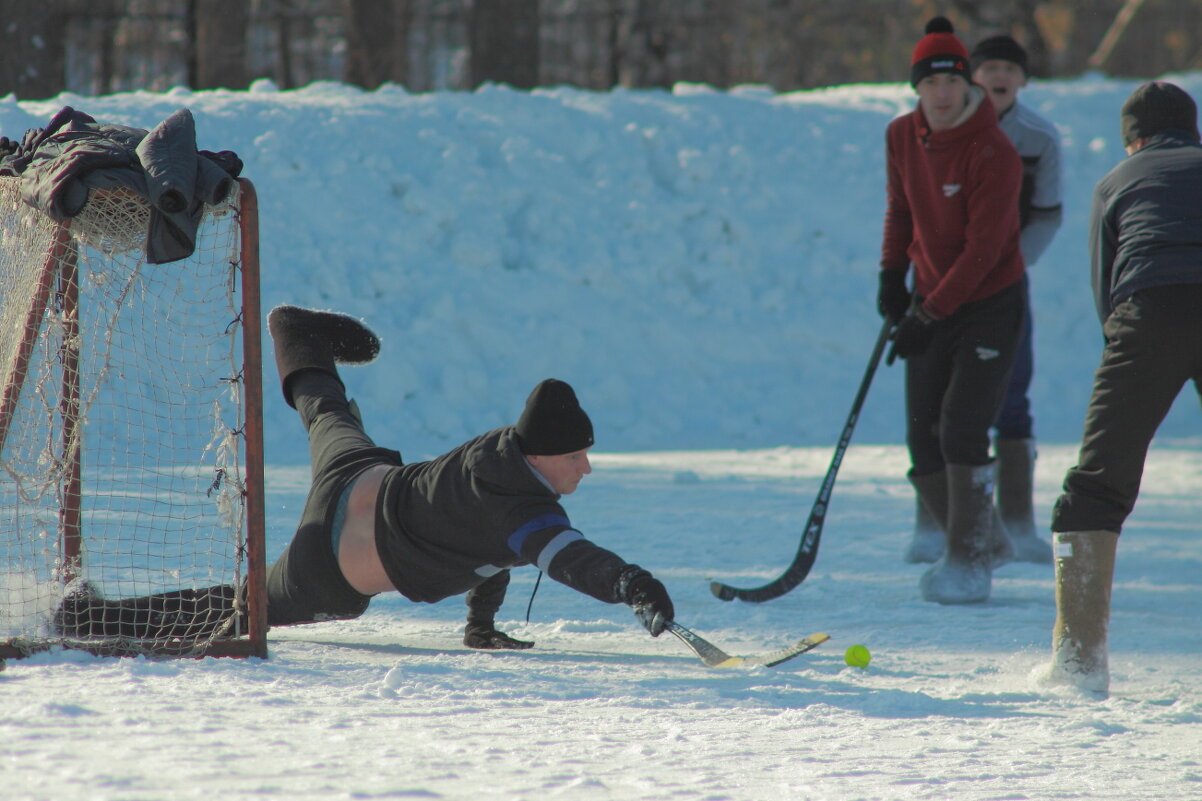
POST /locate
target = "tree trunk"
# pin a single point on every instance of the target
(377, 37)
(503, 39)
(219, 42)
(645, 41)
(33, 41)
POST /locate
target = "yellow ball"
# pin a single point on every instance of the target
(857, 656)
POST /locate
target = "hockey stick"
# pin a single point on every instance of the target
(807, 551)
(715, 657)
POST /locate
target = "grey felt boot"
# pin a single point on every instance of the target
(930, 516)
(1015, 499)
(1084, 575)
(963, 575)
(930, 524)
(307, 339)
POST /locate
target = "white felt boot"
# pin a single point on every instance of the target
(1084, 574)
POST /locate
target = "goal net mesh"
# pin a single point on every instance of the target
(122, 453)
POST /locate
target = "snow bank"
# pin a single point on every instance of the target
(701, 265)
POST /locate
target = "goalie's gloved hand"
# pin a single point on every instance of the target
(486, 637)
(893, 298)
(913, 335)
(647, 596)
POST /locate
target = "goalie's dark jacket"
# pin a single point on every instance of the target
(447, 525)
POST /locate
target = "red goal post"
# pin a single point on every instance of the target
(131, 446)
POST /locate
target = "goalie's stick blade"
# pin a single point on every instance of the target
(715, 657)
(785, 654)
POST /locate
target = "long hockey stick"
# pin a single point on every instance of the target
(807, 551)
(715, 657)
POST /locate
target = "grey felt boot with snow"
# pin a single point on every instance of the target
(1015, 499)
(1084, 575)
(964, 574)
(926, 545)
(930, 524)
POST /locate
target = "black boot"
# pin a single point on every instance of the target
(306, 339)
(183, 614)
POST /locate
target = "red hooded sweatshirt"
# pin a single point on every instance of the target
(953, 208)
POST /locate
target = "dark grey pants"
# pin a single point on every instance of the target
(1153, 348)
(954, 389)
(305, 584)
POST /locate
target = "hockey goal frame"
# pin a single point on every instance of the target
(57, 286)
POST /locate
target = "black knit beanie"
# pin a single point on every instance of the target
(999, 48)
(553, 422)
(1155, 107)
(939, 51)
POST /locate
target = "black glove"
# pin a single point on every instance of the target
(893, 298)
(647, 596)
(912, 336)
(485, 636)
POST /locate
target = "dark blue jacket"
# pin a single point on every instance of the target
(447, 526)
(1146, 221)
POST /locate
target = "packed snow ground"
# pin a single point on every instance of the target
(701, 265)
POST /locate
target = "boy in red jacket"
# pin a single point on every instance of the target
(952, 212)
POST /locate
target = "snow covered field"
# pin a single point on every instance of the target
(702, 267)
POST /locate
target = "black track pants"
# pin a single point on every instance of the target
(1153, 348)
(955, 388)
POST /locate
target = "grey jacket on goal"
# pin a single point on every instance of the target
(74, 155)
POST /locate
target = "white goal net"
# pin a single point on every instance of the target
(130, 409)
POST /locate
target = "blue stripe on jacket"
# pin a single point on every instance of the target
(518, 538)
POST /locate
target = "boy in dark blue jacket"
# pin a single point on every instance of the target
(1146, 254)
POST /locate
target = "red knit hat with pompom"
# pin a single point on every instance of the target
(939, 51)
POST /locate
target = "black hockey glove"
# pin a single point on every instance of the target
(893, 298)
(483, 601)
(912, 336)
(486, 637)
(647, 596)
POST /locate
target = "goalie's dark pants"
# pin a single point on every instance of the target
(1153, 348)
(955, 387)
(304, 585)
